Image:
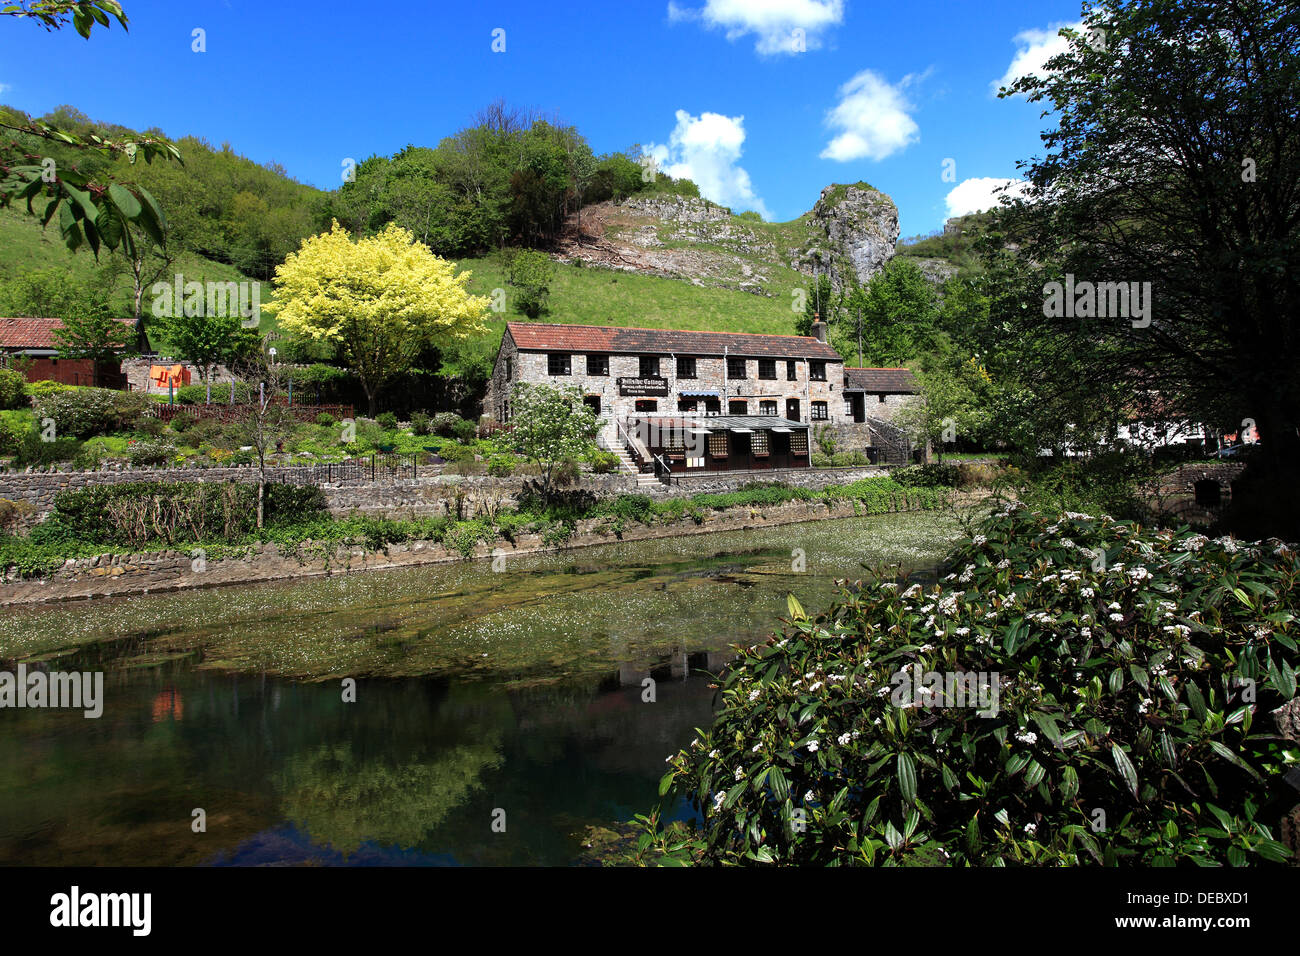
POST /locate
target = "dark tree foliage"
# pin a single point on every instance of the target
(1175, 160)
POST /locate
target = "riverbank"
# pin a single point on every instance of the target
(119, 575)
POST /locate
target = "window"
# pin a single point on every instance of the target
(685, 366)
(767, 368)
(712, 406)
(882, 399)
(735, 368)
(817, 371)
(597, 364)
(767, 408)
(799, 444)
(740, 407)
(557, 363)
(649, 366)
(758, 444)
(791, 371)
(510, 369)
(505, 412)
(647, 405)
(718, 444)
(792, 409)
(592, 402)
(819, 412)
(687, 404)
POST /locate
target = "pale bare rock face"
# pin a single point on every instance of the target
(1287, 719)
(860, 226)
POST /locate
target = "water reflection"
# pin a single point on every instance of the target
(476, 693)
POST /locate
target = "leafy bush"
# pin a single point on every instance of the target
(34, 451)
(927, 476)
(160, 513)
(84, 412)
(325, 419)
(151, 452)
(825, 438)
(181, 421)
(421, 424)
(47, 387)
(444, 423)
(1107, 668)
(387, 421)
(454, 452)
(13, 389)
(604, 462)
(819, 460)
(245, 394)
(846, 459)
(502, 466)
(464, 430)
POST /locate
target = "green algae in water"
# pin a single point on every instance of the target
(544, 617)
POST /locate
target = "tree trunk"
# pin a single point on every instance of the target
(261, 495)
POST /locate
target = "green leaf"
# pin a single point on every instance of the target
(1069, 784)
(1125, 768)
(907, 777)
(795, 608)
(124, 200)
(1233, 759)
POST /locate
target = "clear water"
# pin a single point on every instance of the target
(483, 700)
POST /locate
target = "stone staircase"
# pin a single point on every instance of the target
(627, 465)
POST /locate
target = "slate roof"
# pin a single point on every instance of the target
(20, 333)
(886, 381)
(544, 337)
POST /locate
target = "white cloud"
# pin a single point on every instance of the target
(780, 26)
(706, 150)
(5, 88)
(873, 119)
(1033, 49)
(979, 194)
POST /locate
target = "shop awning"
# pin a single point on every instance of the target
(742, 431)
(782, 429)
(687, 393)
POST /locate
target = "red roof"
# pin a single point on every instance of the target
(886, 381)
(543, 337)
(32, 333)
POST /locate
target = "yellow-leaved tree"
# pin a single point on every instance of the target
(382, 299)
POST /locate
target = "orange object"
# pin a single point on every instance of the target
(163, 376)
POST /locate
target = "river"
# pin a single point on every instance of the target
(497, 713)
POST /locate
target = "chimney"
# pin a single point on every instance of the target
(819, 329)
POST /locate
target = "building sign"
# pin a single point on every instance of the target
(650, 385)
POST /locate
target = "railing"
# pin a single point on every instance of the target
(640, 454)
(663, 470)
(234, 413)
(892, 440)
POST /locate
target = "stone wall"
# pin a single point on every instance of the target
(119, 575)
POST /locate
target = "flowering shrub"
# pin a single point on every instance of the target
(1118, 687)
(83, 412)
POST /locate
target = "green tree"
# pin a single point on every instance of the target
(1174, 161)
(531, 272)
(100, 338)
(204, 341)
(550, 425)
(898, 309)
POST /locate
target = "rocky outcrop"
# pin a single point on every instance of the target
(860, 229)
(668, 208)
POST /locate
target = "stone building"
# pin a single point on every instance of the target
(625, 372)
(700, 401)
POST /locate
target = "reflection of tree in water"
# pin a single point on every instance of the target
(344, 801)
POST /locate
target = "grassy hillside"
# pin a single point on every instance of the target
(589, 295)
(25, 247)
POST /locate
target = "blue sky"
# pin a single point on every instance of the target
(729, 92)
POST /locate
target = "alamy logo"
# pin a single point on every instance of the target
(78, 691)
(1102, 300)
(75, 908)
(931, 689)
(178, 297)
